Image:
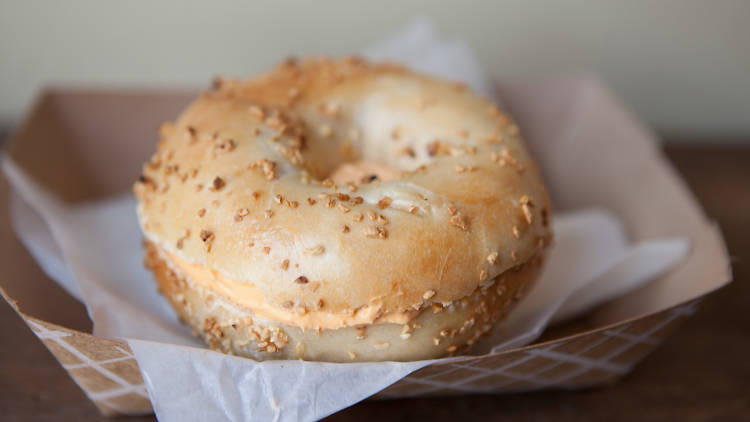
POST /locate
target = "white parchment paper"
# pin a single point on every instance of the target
(94, 251)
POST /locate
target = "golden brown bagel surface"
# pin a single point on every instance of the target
(249, 226)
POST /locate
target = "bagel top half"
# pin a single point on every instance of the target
(249, 187)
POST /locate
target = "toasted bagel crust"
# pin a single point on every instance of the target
(239, 186)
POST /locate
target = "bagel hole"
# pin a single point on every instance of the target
(362, 171)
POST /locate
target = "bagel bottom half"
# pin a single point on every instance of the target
(437, 331)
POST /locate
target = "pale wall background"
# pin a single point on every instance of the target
(682, 65)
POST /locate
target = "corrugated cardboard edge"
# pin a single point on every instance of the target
(108, 373)
(588, 359)
(105, 369)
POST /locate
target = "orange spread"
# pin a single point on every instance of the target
(248, 296)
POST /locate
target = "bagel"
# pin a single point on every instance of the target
(336, 210)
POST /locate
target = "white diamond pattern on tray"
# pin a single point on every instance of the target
(107, 371)
(116, 387)
(544, 366)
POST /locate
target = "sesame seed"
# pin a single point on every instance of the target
(345, 229)
(311, 201)
(516, 233)
(357, 217)
(268, 213)
(483, 275)
(218, 184)
(285, 264)
(208, 238)
(451, 349)
(413, 209)
(433, 148)
(492, 258)
(526, 208)
(301, 280)
(278, 198)
(452, 210)
(406, 329)
(408, 151)
(201, 212)
(460, 221)
(266, 250)
(315, 250)
(255, 195)
(375, 232)
(352, 355)
(343, 208)
(268, 168)
(384, 203)
(460, 169)
(224, 146)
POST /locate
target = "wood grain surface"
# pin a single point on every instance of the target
(701, 373)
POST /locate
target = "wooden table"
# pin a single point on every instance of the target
(700, 373)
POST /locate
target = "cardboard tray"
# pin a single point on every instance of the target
(84, 145)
